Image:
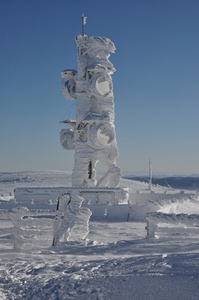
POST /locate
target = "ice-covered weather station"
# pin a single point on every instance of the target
(93, 139)
(55, 216)
(93, 133)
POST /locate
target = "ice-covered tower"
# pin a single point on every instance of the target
(93, 133)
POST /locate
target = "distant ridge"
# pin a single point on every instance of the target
(176, 182)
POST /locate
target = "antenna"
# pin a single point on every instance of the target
(83, 23)
(150, 174)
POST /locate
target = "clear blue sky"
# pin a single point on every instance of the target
(156, 84)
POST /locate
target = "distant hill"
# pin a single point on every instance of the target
(177, 182)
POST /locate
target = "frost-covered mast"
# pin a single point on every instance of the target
(93, 134)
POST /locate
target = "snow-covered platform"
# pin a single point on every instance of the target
(91, 195)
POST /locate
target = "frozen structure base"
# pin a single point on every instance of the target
(67, 210)
(92, 135)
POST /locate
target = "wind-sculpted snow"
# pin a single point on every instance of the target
(116, 260)
(186, 220)
(68, 277)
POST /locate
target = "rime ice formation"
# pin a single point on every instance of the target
(93, 133)
(72, 220)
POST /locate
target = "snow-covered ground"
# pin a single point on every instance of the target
(117, 260)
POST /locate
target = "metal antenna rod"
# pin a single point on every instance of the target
(83, 23)
(150, 174)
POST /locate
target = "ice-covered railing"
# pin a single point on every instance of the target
(47, 195)
(27, 227)
(6, 233)
(22, 227)
(156, 219)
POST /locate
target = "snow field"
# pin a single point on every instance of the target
(115, 261)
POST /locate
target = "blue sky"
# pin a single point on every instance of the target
(156, 86)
